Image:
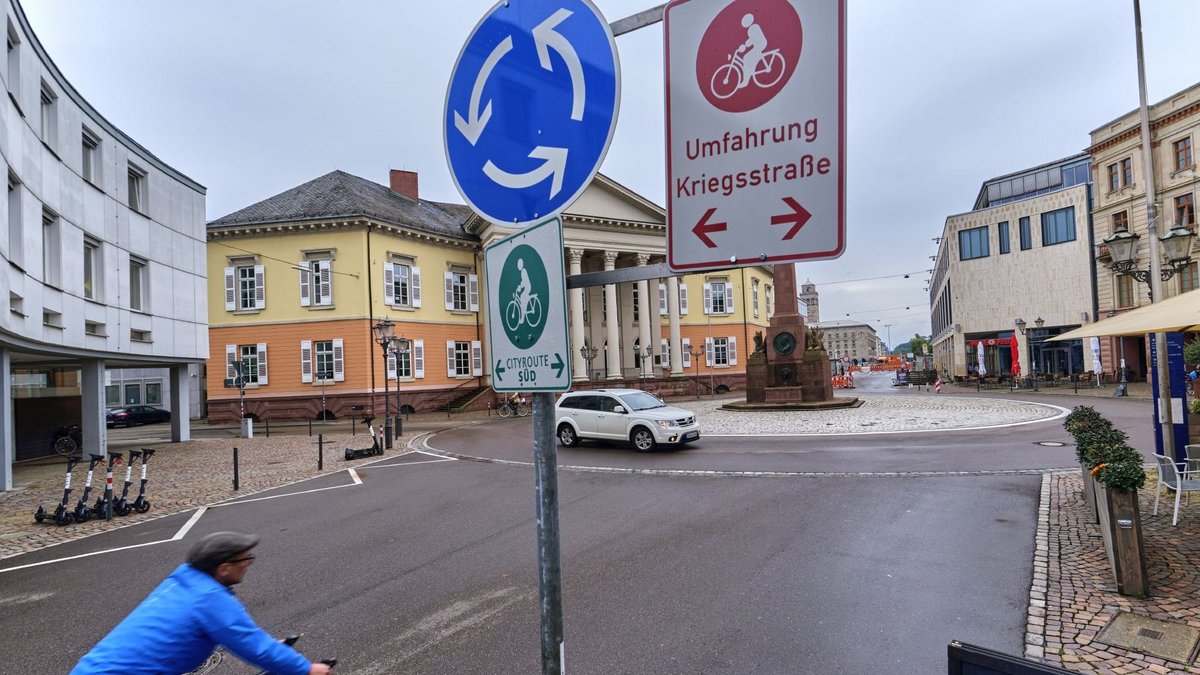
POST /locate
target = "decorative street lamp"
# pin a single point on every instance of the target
(400, 347)
(694, 352)
(1037, 324)
(1176, 248)
(647, 366)
(588, 353)
(384, 332)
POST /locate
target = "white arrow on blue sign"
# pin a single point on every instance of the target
(531, 108)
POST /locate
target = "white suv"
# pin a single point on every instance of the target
(622, 415)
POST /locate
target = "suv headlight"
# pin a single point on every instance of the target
(666, 424)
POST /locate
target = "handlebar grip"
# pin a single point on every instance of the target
(329, 662)
(291, 640)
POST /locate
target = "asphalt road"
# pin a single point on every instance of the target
(848, 563)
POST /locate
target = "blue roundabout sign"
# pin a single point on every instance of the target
(531, 108)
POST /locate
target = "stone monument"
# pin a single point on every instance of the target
(789, 370)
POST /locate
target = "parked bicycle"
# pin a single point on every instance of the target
(513, 405)
(68, 439)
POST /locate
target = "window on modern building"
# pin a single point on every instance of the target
(94, 328)
(93, 272)
(137, 284)
(154, 393)
(91, 157)
(140, 335)
(51, 318)
(133, 393)
(49, 117)
(245, 285)
(402, 282)
(1125, 296)
(16, 226)
(1120, 221)
(754, 296)
(1058, 226)
(16, 304)
(1114, 177)
(1185, 210)
(973, 243)
(1188, 280)
(14, 60)
(1002, 233)
(462, 291)
(1127, 172)
(112, 395)
(137, 189)
(1026, 233)
(1183, 153)
(316, 281)
(51, 249)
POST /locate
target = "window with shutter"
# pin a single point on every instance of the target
(686, 352)
(230, 289)
(732, 350)
(476, 358)
(662, 300)
(449, 287)
(451, 358)
(708, 352)
(708, 298)
(306, 361)
(262, 363)
(324, 287)
(339, 373)
(260, 287)
(230, 360)
(305, 283)
(418, 349)
(416, 286)
(473, 283)
(682, 298)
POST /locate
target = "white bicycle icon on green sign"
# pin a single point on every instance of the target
(530, 316)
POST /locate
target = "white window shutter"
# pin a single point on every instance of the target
(451, 368)
(339, 365)
(325, 296)
(686, 353)
(306, 361)
(662, 300)
(732, 350)
(473, 292)
(664, 353)
(476, 358)
(230, 290)
(682, 298)
(389, 275)
(260, 287)
(708, 352)
(418, 359)
(391, 365)
(729, 298)
(449, 290)
(262, 363)
(708, 298)
(230, 360)
(415, 287)
(305, 284)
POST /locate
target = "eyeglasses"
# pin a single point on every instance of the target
(249, 558)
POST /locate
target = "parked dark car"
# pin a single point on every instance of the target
(137, 414)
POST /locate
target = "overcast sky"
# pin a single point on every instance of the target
(252, 97)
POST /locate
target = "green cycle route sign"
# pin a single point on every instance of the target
(527, 310)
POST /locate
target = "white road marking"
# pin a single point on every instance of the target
(188, 525)
(23, 598)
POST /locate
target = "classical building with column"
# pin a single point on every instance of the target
(103, 260)
(298, 279)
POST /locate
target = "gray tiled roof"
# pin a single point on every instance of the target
(341, 195)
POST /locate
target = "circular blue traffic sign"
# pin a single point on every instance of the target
(531, 108)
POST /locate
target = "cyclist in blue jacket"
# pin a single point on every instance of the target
(179, 625)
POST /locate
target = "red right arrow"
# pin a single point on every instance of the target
(705, 228)
(798, 217)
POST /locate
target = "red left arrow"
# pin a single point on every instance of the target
(705, 228)
(798, 217)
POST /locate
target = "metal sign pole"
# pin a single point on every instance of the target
(549, 561)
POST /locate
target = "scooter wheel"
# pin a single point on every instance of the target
(64, 518)
(83, 516)
(143, 507)
(121, 510)
(39, 516)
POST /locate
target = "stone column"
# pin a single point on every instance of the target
(610, 309)
(578, 363)
(181, 423)
(91, 404)
(8, 439)
(644, 314)
(673, 327)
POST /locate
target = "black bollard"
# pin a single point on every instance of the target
(310, 428)
(320, 452)
(235, 469)
(268, 423)
(399, 426)
(353, 427)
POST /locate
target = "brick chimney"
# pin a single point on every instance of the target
(404, 183)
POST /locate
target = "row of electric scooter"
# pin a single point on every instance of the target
(121, 506)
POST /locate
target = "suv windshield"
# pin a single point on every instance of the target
(640, 400)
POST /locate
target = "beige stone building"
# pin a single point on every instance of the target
(1120, 205)
(850, 340)
(1022, 252)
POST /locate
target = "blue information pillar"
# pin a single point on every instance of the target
(1178, 372)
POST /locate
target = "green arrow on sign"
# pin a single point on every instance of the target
(558, 365)
(499, 370)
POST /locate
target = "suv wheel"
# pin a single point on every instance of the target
(642, 439)
(567, 436)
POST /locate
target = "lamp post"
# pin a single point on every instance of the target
(384, 331)
(1176, 247)
(400, 347)
(588, 353)
(1021, 326)
(694, 352)
(647, 369)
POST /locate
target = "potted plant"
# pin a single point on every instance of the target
(1093, 436)
(1194, 420)
(1118, 474)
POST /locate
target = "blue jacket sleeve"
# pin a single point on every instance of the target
(229, 624)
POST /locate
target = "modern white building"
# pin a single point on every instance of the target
(102, 265)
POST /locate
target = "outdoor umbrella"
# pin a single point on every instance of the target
(1016, 355)
(1096, 358)
(982, 370)
(1181, 312)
